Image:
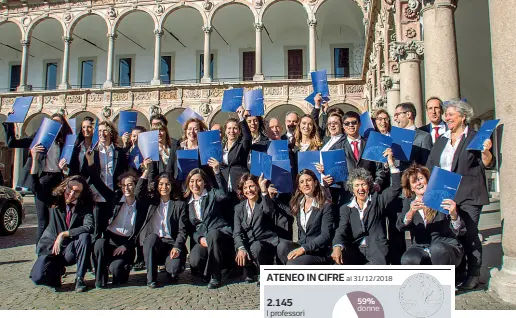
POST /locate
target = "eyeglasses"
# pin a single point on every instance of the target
(351, 123)
(333, 123)
(382, 119)
(397, 114)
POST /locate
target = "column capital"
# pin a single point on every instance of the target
(390, 83)
(433, 4)
(67, 39)
(311, 23)
(158, 33)
(25, 42)
(112, 36)
(400, 51)
(207, 29)
(258, 26)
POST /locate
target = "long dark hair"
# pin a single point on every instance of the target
(246, 177)
(80, 136)
(319, 197)
(204, 176)
(262, 132)
(65, 129)
(86, 198)
(224, 137)
(175, 190)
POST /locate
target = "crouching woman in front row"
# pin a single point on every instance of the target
(434, 234)
(314, 219)
(255, 242)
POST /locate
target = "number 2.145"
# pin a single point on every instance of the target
(279, 302)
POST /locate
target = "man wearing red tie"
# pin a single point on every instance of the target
(66, 240)
(434, 111)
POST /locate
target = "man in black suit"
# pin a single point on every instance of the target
(434, 111)
(405, 117)
(66, 240)
(291, 122)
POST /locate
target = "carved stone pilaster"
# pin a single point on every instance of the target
(406, 51)
(390, 82)
(412, 10)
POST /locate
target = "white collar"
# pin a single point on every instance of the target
(203, 194)
(314, 203)
(354, 203)
(359, 138)
(440, 125)
(336, 137)
(413, 127)
(448, 133)
(102, 146)
(124, 200)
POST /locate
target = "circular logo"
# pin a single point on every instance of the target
(421, 295)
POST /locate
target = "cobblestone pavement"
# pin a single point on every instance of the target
(18, 292)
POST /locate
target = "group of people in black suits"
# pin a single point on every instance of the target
(102, 211)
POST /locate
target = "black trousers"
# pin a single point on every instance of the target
(119, 265)
(261, 253)
(47, 269)
(441, 253)
(361, 255)
(156, 251)
(48, 182)
(101, 215)
(470, 240)
(397, 243)
(285, 247)
(218, 255)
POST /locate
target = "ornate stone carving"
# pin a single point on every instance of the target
(299, 90)
(67, 39)
(192, 93)
(334, 90)
(158, 33)
(25, 21)
(412, 10)
(120, 97)
(154, 110)
(389, 2)
(74, 99)
(207, 29)
(395, 68)
(258, 3)
(111, 13)
(258, 26)
(25, 42)
(67, 17)
(95, 98)
(406, 51)
(410, 33)
(53, 99)
(207, 5)
(354, 89)
(312, 23)
(172, 94)
(216, 92)
(8, 101)
(386, 83)
(380, 101)
(205, 109)
(107, 112)
(273, 90)
(159, 9)
(143, 96)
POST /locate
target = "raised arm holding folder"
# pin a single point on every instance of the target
(402, 142)
(484, 133)
(210, 146)
(232, 99)
(127, 122)
(148, 144)
(375, 147)
(135, 158)
(46, 134)
(320, 83)
(20, 109)
(442, 185)
(187, 160)
(335, 164)
(254, 102)
(261, 163)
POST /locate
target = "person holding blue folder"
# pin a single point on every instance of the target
(450, 153)
(255, 240)
(77, 165)
(211, 233)
(314, 217)
(360, 237)
(434, 235)
(167, 162)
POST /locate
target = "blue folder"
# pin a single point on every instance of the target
(232, 99)
(307, 160)
(278, 149)
(187, 114)
(335, 164)
(46, 134)
(281, 176)
(320, 83)
(126, 122)
(210, 146)
(254, 102)
(135, 158)
(366, 125)
(148, 144)
(311, 98)
(442, 185)
(187, 160)
(376, 145)
(72, 122)
(95, 137)
(402, 141)
(261, 163)
(67, 151)
(20, 109)
(484, 133)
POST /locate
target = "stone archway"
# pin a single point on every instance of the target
(174, 128)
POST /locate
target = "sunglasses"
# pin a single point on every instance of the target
(351, 123)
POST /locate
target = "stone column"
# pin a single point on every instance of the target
(157, 58)
(258, 76)
(312, 24)
(207, 56)
(409, 56)
(503, 44)
(66, 61)
(441, 65)
(391, 86)
(24, 66)
(17, 165)
(110, 60)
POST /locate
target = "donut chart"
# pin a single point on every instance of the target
(358, 304)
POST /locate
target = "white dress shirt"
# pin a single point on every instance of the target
(160, 220)
(331, 142)
(82, 154)
(197, 204)
(354, 204)
(359, 139)
(164, 154)
(107, 155)
(123, 224)
(413, 127)
(446, 160)
(52, 159)
(441, 131)
(304, 217)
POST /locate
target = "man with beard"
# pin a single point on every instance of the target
(291, 122)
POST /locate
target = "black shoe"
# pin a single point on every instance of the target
(194, 271)
(471, 282)
(80, 286)
(139, 267)
(152, 285)
(214, 283)
(173, 278)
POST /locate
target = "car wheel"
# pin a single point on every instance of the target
(9, 219)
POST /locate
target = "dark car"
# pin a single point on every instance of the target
(12, 212)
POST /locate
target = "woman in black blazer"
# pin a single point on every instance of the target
(167, 154)
(360, 237)
(255, 241)
(213, 249)
(314, 222)
(163, 233)
(450, 153)
(434, 235)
